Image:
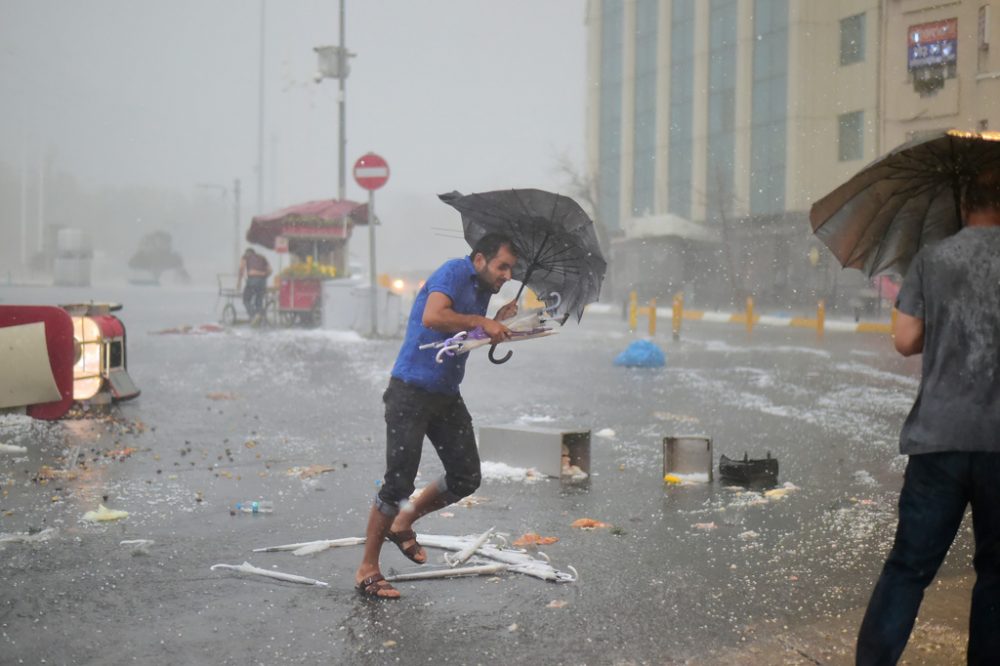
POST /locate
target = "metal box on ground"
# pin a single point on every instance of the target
(687, 454)
(540, 448)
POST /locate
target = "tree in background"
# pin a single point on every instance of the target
(156, 255)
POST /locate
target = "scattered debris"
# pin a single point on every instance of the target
(676, 479)
(748, 535)
(10, 448)
(446, 514)
(310, 547)
(389, 644)
(470, 550)
(641, 354)
(589, 524)
(780, 493)
(220, 395)
(518, 561)
(29, 537)
(248, 568)
(504, 473)
(705, 526)
(46, 473)
(472, 500)
(310, 471)
(749, 471)
(104, 514)
(478, 570)
(533, 539)
(138, 546)
(557, 603)
(606, 433)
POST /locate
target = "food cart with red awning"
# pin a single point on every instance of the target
(316, 235)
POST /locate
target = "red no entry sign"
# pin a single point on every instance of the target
(371, 171)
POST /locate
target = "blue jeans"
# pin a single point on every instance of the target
(936, 489)
(253, 295)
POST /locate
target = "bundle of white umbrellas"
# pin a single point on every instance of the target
(486, 553)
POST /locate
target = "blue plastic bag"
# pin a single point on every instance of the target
(641, 354)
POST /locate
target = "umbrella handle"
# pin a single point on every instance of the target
(553, 308)
(447, 350)
(510, 352)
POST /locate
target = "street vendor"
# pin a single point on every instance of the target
(256, 269)
(423, 399)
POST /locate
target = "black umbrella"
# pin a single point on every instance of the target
(879, 219)
(558, 254)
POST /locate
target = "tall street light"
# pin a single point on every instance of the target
(333, 64)
(260, 118)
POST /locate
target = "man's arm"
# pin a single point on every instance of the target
(440, 316)
(507, 311)
(908, 334)
(243, 270)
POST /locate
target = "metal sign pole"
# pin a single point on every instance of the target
(371, 261)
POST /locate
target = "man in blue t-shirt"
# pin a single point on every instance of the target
(949, 310)
(423, 400)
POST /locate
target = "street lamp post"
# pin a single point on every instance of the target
(333, 64)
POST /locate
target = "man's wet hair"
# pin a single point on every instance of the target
(490, 244)
(982, 192)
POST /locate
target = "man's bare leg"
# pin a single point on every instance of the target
(378, 525)
(431, 499)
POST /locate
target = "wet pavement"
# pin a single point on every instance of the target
(694, 573)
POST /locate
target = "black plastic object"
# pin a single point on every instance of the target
(504, 359)
(749, 471)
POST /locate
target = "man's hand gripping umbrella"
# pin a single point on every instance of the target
(528, 326)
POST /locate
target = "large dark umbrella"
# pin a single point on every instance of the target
(555, 241)
(879, 219)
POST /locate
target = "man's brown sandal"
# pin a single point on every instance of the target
(411, 552)
(373, 585)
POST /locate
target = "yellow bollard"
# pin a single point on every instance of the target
(678, 315)
(892, 323)
(633, 314)
(749, 314)
(652, 317)
(820, 318)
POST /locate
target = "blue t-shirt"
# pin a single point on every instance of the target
(456, 279)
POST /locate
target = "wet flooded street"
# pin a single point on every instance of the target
(295, 417)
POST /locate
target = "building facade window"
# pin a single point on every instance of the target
(851, 136)
(769, 107)
(610, 128)
(852, 39)
(721, 151)
(644, 137)
(681, 143)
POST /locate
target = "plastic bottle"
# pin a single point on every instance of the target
(255, 506)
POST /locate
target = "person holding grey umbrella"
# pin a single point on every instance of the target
(423, 399)
(949, 310)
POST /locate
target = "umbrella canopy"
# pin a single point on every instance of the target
(555, 242)
(333, 214)
(879, 219)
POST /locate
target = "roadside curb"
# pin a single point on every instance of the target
(758, 320)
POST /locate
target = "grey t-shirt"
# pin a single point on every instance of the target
(954, 286)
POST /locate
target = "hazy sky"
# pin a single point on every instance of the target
(456, 94)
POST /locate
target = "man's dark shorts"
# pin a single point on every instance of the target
(410, 414)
